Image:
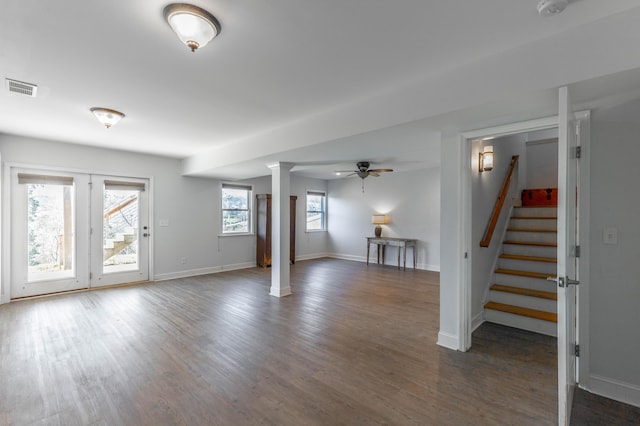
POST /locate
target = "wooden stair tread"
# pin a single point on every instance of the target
(526, 312)
(531, 243)
(525, 291)
(531, 258)
(536, 217)
(540, 275)
(550, 231)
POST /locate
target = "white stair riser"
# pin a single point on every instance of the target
(524, 250)
(533, 223)
(534, 237)
(535, 211)
(528, 265)
(525, 282)
(523, 301)
(524, 323)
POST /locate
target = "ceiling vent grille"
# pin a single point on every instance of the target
(21, 87)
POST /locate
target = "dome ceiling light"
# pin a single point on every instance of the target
(551, 7)
(108, 117)
(194, 26)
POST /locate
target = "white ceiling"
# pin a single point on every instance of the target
(322, 84)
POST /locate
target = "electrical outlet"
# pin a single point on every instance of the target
(183, 260)
(610, 236)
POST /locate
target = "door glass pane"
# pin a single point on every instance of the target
(50, 231)
(120, 230)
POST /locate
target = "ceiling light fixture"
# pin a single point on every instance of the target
(551, 7)
(106, 116)
(194, 26)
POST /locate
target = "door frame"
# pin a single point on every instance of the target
(583, 227)
(5, 225)
(466, 321)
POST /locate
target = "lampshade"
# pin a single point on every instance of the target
(485, 160)
(107, 116)
(379, 219)
(194, 26)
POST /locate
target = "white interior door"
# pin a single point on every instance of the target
(119, 230)
(567, 279)
(49, 232)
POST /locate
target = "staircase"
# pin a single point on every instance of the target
(119, 230)
(521, 296)
(122, 240)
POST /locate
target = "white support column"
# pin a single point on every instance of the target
(280, 230)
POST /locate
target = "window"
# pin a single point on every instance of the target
(316, 211)
(236, 209)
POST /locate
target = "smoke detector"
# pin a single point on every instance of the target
(551, 7)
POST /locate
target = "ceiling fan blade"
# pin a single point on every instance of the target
(380, 170)
(373, 173)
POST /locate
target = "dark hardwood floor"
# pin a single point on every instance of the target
(354, 345)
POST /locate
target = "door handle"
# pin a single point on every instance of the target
(563, 281)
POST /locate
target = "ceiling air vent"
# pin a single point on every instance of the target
(21, 87)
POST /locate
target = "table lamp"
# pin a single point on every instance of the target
(378, 219)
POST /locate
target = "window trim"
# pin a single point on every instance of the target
(323, 212)
(249, 210)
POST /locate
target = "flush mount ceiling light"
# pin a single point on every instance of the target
(194, 26)
(106, 116)
(551, 7)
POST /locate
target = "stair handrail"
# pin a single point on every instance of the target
(497, 208)
(120, 206)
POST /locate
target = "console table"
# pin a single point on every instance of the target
(401, 243)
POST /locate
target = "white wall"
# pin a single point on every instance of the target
(614, 289)
(309, 245)
(191, 205)
(485, 189)
(452, 239)
(412, 199)
(542, 164)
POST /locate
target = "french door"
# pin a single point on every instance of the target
(71, 231)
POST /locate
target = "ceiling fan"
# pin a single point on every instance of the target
(364, 170)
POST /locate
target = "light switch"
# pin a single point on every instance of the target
(610, 236)
(163, 222)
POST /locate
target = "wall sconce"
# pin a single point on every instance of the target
(485, 160)
(379, 219)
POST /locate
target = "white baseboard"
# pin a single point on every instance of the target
(203, 271)
(311, 256)
(477, 321)
(615, 389)
(421, 266)
(448, 341)
(347, 257)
